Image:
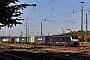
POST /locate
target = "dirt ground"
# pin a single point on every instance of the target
(83, 47)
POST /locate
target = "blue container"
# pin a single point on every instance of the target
(40, 39)
(22, 39)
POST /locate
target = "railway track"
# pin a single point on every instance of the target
(7, 56)
(22, 55)
(44, 56)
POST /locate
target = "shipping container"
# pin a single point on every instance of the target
(5, 40)
(32, 40)
(17, 40)
(87, 38)
(80, 38)
(28, 39)
(40, 39)
(22, 39)
(11, 40)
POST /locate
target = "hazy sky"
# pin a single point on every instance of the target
(58, 14)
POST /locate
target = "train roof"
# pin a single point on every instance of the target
(63, 36)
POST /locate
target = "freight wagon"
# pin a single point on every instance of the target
(62, 40)
(5, 40)
(84, 38)
(23, 40)
(11, 40)
(17, 40)
(40, 39)
(28, 40)
(32, 40)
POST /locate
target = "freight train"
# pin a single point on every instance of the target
(84, 38)
(63, 40)
(45, 40)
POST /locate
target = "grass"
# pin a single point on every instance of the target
(16, 45)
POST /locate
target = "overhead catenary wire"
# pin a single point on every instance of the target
(88, 17)
(62, 14)
(53, 8)
(73, 11)
(45, 12)
(50, 3)
(65, 14)
(66, 4)
(40, 6)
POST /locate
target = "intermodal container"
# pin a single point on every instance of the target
(11, 40)
(80, 38)
(22, 39)
(40, 39)
(32, 40)
(28, 39)
(17, 40)
(87, 38)
(5, 40)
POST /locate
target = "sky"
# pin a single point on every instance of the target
(55, 15)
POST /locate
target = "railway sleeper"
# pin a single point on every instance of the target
(4, 58)
(14, 56)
